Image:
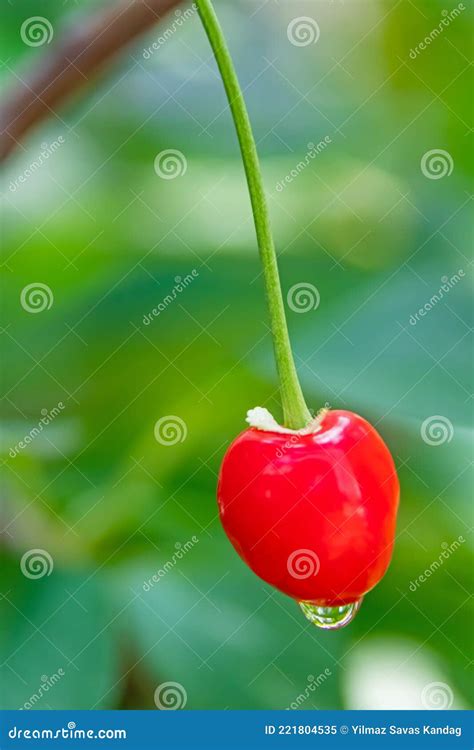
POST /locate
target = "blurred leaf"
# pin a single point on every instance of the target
(58, 627)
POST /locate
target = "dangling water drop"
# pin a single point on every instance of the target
(330, 618)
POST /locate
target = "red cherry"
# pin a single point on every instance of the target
(312, 514)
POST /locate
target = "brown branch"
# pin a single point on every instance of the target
(72, 63)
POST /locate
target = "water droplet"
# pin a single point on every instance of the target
(330, 618)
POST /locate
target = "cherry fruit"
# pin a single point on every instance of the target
(312, 512)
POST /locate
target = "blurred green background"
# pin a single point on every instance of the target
(363, 224)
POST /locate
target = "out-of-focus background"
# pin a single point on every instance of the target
(365, 141)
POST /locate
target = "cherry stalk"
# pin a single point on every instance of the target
(295, 412)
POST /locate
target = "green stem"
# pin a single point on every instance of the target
(295, 412)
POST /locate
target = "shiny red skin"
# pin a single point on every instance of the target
(333, 493)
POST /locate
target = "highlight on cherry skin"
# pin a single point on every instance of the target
(312, 512)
